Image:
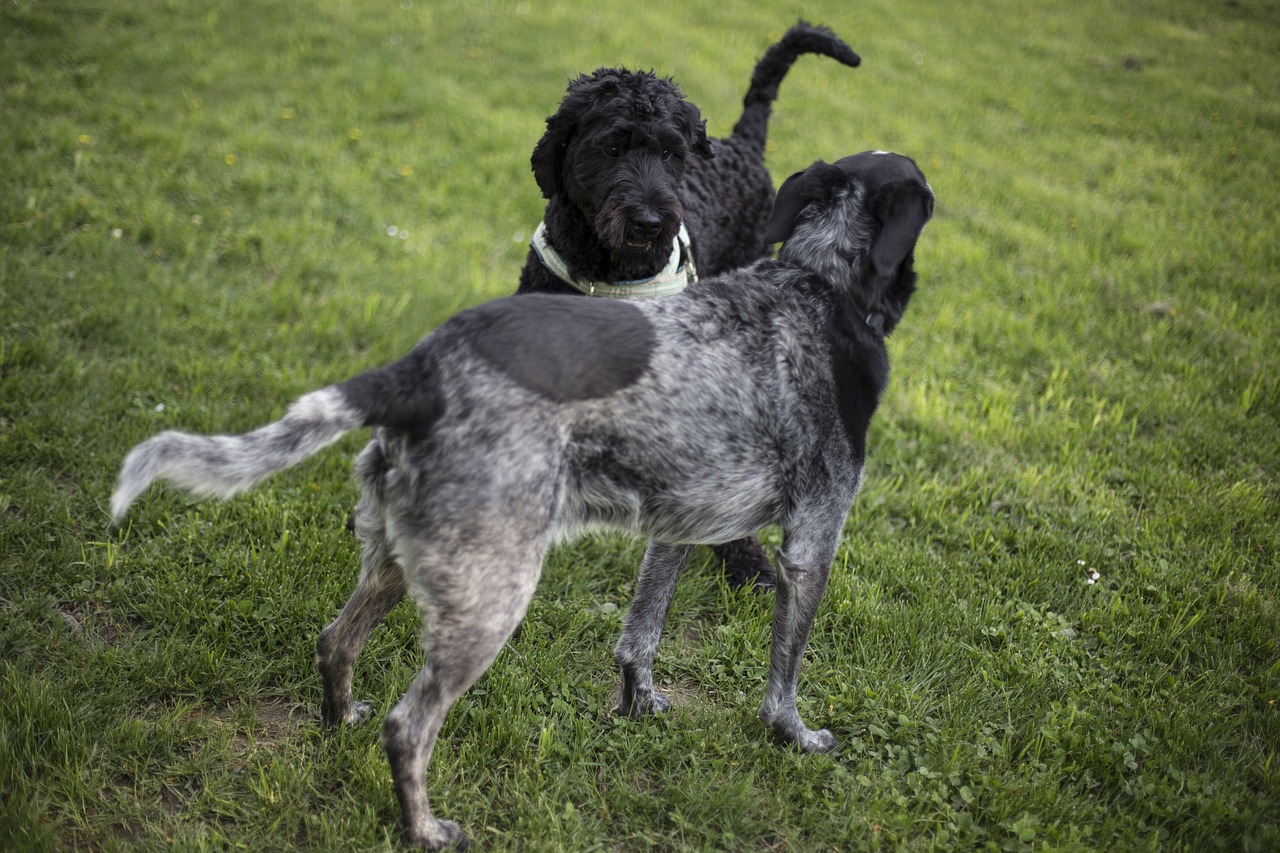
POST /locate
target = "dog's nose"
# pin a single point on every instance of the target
(646, 225)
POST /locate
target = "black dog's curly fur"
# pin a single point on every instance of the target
(626, 159)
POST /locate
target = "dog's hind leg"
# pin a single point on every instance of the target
(804, 562)
(381, 586)
(470, 607)
(642, 628)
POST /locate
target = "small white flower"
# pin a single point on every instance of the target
(159, 407)
(392, 230)
(117, 233)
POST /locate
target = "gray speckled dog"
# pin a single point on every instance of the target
(693, 419)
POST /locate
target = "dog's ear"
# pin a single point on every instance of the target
(902, 210)
(694, 128)
(548, 154)
(796, 193)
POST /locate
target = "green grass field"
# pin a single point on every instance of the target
(1053, 622)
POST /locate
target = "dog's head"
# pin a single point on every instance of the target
(855, 222)
(616, 149)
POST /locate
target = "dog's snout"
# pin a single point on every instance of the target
(646, 224)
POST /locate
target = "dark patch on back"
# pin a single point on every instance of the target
(564, 348)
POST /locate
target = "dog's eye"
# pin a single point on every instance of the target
(612, 150)
(666, 153)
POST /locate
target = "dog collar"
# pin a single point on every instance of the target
(675, 276)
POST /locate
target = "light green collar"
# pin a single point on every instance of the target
(672, 278)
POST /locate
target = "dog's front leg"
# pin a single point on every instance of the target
(642, 628)
(804, 564)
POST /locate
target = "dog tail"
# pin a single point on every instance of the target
(219, 466)
(803, 38)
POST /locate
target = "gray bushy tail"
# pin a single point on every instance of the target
(401, 395)
(803, 38)
(220, 466)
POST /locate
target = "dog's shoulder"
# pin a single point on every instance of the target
(792, 315)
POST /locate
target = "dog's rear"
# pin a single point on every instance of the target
(753, 127)
(728, 198)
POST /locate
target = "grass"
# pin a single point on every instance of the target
(205, 211)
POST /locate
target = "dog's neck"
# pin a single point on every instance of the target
(877, 301)
(571, 232)
(570, 250)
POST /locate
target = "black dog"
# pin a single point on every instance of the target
(637, 196)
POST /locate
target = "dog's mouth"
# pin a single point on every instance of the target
(635, 237)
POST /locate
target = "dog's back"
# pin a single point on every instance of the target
(692, 418)
(714, 438)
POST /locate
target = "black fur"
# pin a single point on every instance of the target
(407, 400)
(602, 169)
(900, 206)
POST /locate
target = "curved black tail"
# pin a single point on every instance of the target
(753, 126)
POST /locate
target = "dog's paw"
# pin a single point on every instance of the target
(358, 713)
(746, 564)
(788, 729)
(642, 705)
(816, 741)
(353, 714)
(808, 740)
(438, 835)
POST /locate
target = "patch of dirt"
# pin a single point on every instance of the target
(254, 724)
(271, 721)
(682, 695)
(171, 800)
(278, 718)
(94, 626)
